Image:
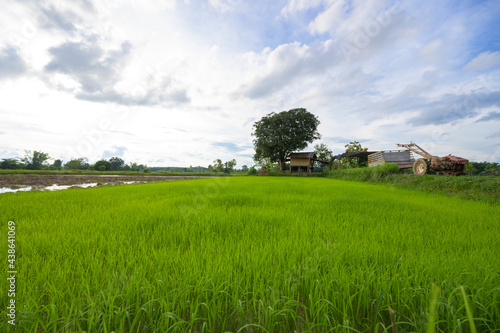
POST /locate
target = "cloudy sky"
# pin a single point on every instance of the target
(181, 82)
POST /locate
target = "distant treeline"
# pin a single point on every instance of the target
(179, 169)
(40, 161)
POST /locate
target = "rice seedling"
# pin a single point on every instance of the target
(251, 254)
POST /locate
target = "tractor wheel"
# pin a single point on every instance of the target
(420, 167)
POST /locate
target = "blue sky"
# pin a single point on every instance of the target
(181, 82)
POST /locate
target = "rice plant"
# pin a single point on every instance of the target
(252, 254)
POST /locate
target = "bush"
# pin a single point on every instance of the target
(146, 170)
(366, 174)
(467, 187)
(252, 171)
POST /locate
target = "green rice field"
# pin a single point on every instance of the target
(251, 254)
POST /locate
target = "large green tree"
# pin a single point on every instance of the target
(279, 134)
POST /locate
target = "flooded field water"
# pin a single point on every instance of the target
(12, 183)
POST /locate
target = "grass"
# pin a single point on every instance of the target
(478, 188)
(252, 254)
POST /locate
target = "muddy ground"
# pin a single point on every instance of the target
(15, 181)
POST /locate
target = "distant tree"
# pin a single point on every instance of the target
(469, 169)
(479, 166)
(102, 165)
(353, 162)
(244, 168)
(252, 171)
(492, 169)
(10, 163)
(323, 153)
(279, 134)
(35, 160)
(229, 166)
(77, 164)
(134, 166)
(116, 163)
(57, 164)
(218, 165)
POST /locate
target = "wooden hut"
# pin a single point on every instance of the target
(304, 162)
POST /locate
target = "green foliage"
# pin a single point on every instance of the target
(10, 164)
(92, 171)
(146, 170)
(197, 169)
(136, 167)
(226, 167)
(229, 166)
(252, 171)
(235, 254)
(35, 160)
(77, 164)
(322, 153)
(116, 163)
(102, 165)
(473, 188)
(354, 162)
(366, 174)
(469, 169)
(218, 165)
(493, 169)
(279, 134)
(57, 164)
(485, 168)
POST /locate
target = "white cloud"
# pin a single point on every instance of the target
(328, 20)
(295, 6)
(431, 48)
(224, 5)
(11, 63)
(183, 81)
(484, 61)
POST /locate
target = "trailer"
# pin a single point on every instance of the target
(403, 158)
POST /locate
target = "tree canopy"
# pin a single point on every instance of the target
(102, 165)
(226, 167)
(354, 162)
(116, 163)
(77, 164)
(279, 134)
(35, 160)
(323, 153)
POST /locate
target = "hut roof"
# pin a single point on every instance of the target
(305, 154)
(353, 154)
(302, 155)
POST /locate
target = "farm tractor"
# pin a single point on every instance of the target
(448, 165)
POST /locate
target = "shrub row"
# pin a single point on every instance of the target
(479, 188)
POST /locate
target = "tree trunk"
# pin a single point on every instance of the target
(282, 165)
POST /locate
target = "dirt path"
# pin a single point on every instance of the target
(15, 181)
